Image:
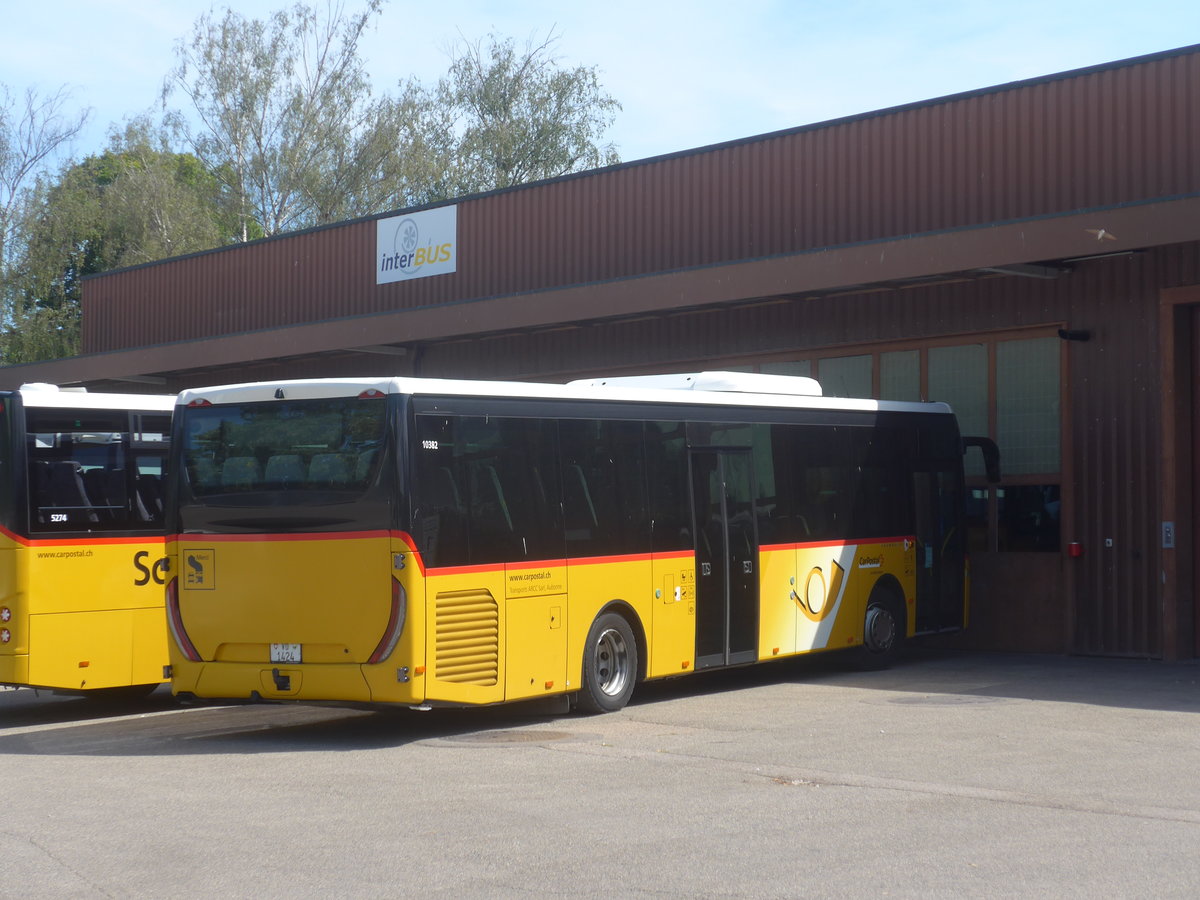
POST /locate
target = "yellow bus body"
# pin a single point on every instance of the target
(486, 634)
(82, 613)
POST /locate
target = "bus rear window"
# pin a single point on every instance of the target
(284, 446)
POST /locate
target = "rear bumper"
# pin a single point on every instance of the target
(350, 683)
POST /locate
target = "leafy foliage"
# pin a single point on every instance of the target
(522, 117)
(32, 132)
(285, 114)
(283, 131)
(135, 203)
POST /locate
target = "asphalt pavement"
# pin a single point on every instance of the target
(950, 775)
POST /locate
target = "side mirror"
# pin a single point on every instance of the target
(991, 456)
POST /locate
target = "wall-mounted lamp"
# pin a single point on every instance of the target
(1074, 334)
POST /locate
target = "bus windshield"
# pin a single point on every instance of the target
(305, 449)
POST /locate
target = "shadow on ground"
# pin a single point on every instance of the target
(40, 724)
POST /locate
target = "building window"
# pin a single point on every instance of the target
(1007, 387)
(846, 376)
(900, 375)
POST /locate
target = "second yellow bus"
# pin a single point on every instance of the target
(410, 541)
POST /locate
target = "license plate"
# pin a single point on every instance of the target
(285, 653)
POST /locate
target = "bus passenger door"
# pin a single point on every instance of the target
(726, 558)
(940, 551)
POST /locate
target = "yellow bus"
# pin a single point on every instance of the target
(423, 541)
(81, 539)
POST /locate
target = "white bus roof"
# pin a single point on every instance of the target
(51, 396)
(700, 388)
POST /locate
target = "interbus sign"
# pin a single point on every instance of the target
(416, 245)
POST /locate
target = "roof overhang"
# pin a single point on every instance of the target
(1020, 248)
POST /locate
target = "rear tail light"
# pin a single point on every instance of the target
(202, 402)
(395, 625)
(175, 622)
(371, 394)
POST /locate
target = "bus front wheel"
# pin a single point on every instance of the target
(883, 630)
(610, 665)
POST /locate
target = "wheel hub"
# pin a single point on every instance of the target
(612, 662)
(880, 632)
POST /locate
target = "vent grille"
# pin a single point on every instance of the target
(468, 638)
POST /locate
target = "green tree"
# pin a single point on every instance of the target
(519, 116)
(283, 111)
(33, 132)
(135, 203)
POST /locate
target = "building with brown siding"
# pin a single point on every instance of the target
(1029, 253)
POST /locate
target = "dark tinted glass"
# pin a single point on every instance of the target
(486, 489)
(882, 499)
(670, 490)
(1029, 517)
(304, 447)
(95, 470)
(8, 475)
(604, 487)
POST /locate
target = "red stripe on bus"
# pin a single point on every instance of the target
(570, 562)
(466, 570)
(535, 564)
(631, 557)
(14, 537)
(811, 545)
(92, 541)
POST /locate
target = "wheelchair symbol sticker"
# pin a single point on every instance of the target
(200, 570)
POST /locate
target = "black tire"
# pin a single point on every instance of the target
(883, 630)
(610, 665)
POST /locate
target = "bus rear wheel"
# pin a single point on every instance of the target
(883, 630)
(610, 665)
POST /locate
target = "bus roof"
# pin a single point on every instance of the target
(700, 388)
(53, 397)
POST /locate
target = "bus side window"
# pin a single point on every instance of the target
(67, 491)
(489, 508)
(578, 508)
(150, 497)
(669, 488)
(439, 504)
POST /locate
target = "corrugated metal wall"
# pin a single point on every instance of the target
(1096, 138)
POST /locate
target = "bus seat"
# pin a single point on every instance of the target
(66, 488)
(150, 498)
(115, 487)
(445, 494)
(284, 469)
(239, 472)
(490, 505)
(578, 508)
(328, 469)
(204, 471)
(366, 459)
(96, 487)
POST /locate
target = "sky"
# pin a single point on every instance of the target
(687, 74)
